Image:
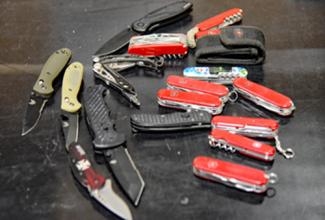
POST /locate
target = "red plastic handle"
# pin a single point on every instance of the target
(231, 170)
(158, 49)
(197, 85)
(263, 92)
(241, 122)
(189, 97)
(200, 34)
(218, 19)
(249, 146)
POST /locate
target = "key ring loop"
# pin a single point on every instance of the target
(273, 178)
(287, 153)
(233, 96)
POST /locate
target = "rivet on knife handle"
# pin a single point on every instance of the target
(51, 69)
(70, 87)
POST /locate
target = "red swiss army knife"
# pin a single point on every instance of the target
(263, 96)
(239, 176)
(193, 85)
(235, 142)
(167, 45)
(251, 127)
(212, 25)
(190, 101)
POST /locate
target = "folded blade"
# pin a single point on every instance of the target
(116, 43)
(33, 113)
(70, 127)
(113, 202)
(126, 173)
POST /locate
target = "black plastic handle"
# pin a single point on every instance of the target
(171, 122)
(101, 125)
(162, 16)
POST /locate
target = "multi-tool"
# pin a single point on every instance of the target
(190, 101)
(237, 143)
(222, 75)
(193, 85)
(117, 81)
(163, 16)
(170, 122)
(126, 61)
(97, 185)
(43, 88)
(167, 45)
(213, 24)
(252, 127)
(108, 142)
(263, 96)
(234, 175)
(70, 106)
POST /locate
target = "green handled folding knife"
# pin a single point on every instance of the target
(43, 89)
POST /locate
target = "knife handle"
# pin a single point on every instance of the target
(162, 16)
(83, 169)
(100, 124)
(171, 122)
(51, 69)
(71, 84)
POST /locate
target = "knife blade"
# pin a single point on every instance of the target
(110, 143)
(43, 88)
(70, 105)
(98, 187)
(147, 24)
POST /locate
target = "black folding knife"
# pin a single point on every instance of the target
(155, 19)
(170, 122)
(111, 143)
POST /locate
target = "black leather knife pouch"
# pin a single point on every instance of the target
(234, 45)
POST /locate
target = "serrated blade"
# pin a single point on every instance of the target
(33, 113)
(126, 173)
(116, 43)
(113, 202)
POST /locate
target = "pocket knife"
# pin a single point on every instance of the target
(252, 127)
(110, 143)
(166, 45)
(176, 121)
(117, 81)
(43, 89)
(263, 96)
(222, 75)
(213, 25)
(234, 175)
(193, 85)
(70, 106)
(97, 185)
(163, 16)
(189, 101)
(234, 142)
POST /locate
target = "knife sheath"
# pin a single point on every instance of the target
(234, 45)
(170, 122)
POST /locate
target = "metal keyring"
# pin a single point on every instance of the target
(273, 178)
(233, 93)
(287, 153)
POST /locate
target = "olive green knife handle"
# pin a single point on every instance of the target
(51, 69)
(71, 84)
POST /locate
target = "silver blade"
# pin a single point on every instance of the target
(116, 43)
(126, 173)
(70, 126)
(113, 202)
(33, 113)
